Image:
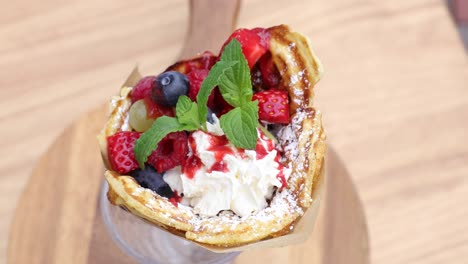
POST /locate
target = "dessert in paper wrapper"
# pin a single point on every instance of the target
(199, 197)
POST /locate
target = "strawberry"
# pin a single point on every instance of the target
(172, 151)
(264, 36)
(254, 43)
(273, 106)
(269, 72)
(120, 151)
(143, 88)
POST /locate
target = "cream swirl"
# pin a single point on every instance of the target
(227, 178)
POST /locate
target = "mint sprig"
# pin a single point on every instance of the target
(211, 81)
(235, 85)
(232, 75)
(186, 120)
(187, 113)
(240, 125)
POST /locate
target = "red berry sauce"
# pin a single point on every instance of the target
(176, 199)
(281, 177)
(191, 166)
(219, 166)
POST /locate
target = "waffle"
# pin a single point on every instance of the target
(303, 143)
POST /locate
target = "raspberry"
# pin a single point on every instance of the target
(196, 78)
(270, 74)
(154, 110)
(172, 151)
(120, 151)
(273, 106)
(143, 88)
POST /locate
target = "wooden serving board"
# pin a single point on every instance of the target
(58, 219)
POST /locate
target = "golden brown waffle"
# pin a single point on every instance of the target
(303, 142)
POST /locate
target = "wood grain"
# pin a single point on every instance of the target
(394, 98)
(59, 221)
(209, 34)
(71, 236)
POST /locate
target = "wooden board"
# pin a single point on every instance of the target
(394, 98)
(62, 211)
(58, 220)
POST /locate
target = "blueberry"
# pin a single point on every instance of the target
(209, 116)
(149, 178)
(169, 87)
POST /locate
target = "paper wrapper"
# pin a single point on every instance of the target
(302, 228)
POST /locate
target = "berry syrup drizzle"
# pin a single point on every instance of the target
(176, 199)
(219, 146)
(193, 163)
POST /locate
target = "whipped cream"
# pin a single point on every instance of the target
(224, 177)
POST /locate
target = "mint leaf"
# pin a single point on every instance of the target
(149, 140)
(183, 105)
(240, 125)
(210, 82)
(232, 75)
(187, 113)
(235, 85)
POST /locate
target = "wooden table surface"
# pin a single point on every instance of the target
(394, 97)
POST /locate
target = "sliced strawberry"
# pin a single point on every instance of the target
(143, 88)
(172, 151)
(154, 110)
(270, 74)
(264, 36)
(120, 151)
(254, 42)
(273, 106)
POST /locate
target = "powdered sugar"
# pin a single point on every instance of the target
(284, 203)
(121, 104)
(126, 123)
(288, 136)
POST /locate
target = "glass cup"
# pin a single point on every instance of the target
(149, 244)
